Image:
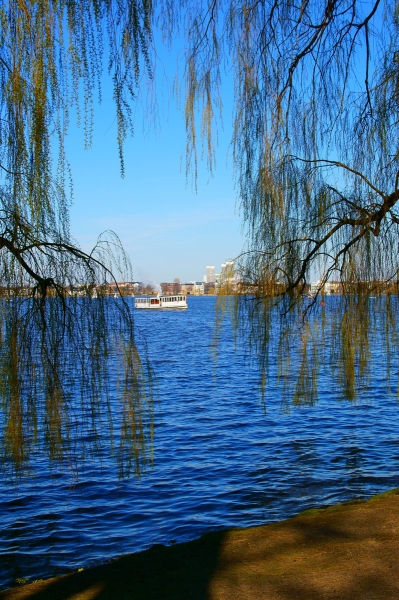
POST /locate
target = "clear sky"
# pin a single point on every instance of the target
(168, 229)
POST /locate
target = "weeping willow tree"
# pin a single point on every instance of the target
(62, 339)
(315, 146)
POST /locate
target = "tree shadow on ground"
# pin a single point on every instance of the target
(173, 572)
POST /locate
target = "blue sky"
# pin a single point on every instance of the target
(168, 229)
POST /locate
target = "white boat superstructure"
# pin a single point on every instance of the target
(157, 302)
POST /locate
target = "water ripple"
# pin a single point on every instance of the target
(219, 460)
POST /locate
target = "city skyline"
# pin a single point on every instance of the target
(210, 275)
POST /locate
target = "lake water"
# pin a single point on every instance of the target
(219, 460)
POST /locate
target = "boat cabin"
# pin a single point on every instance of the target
(178, 301)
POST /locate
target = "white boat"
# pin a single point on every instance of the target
(157, 302)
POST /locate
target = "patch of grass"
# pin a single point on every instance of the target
(393, 492)
(315, 511)
(21, 580)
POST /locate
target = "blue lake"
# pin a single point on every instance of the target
(219, 460)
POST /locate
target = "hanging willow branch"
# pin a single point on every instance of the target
(62, 339)
(315, 147)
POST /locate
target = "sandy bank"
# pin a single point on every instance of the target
(349, 552)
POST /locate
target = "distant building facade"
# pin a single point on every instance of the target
(330, 287)
(210, 288)
(171, 289)
(210, 274)
(187, 288)
(198, 287)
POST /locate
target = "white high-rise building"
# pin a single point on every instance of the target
(227, 271)
(210, 274)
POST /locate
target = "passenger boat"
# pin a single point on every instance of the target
(157, 302)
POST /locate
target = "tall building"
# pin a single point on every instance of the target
(227, 271)
(227, 279)
(210, 275)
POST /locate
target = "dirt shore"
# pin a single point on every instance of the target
(350, 552)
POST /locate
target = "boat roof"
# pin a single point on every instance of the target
(162, 296)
